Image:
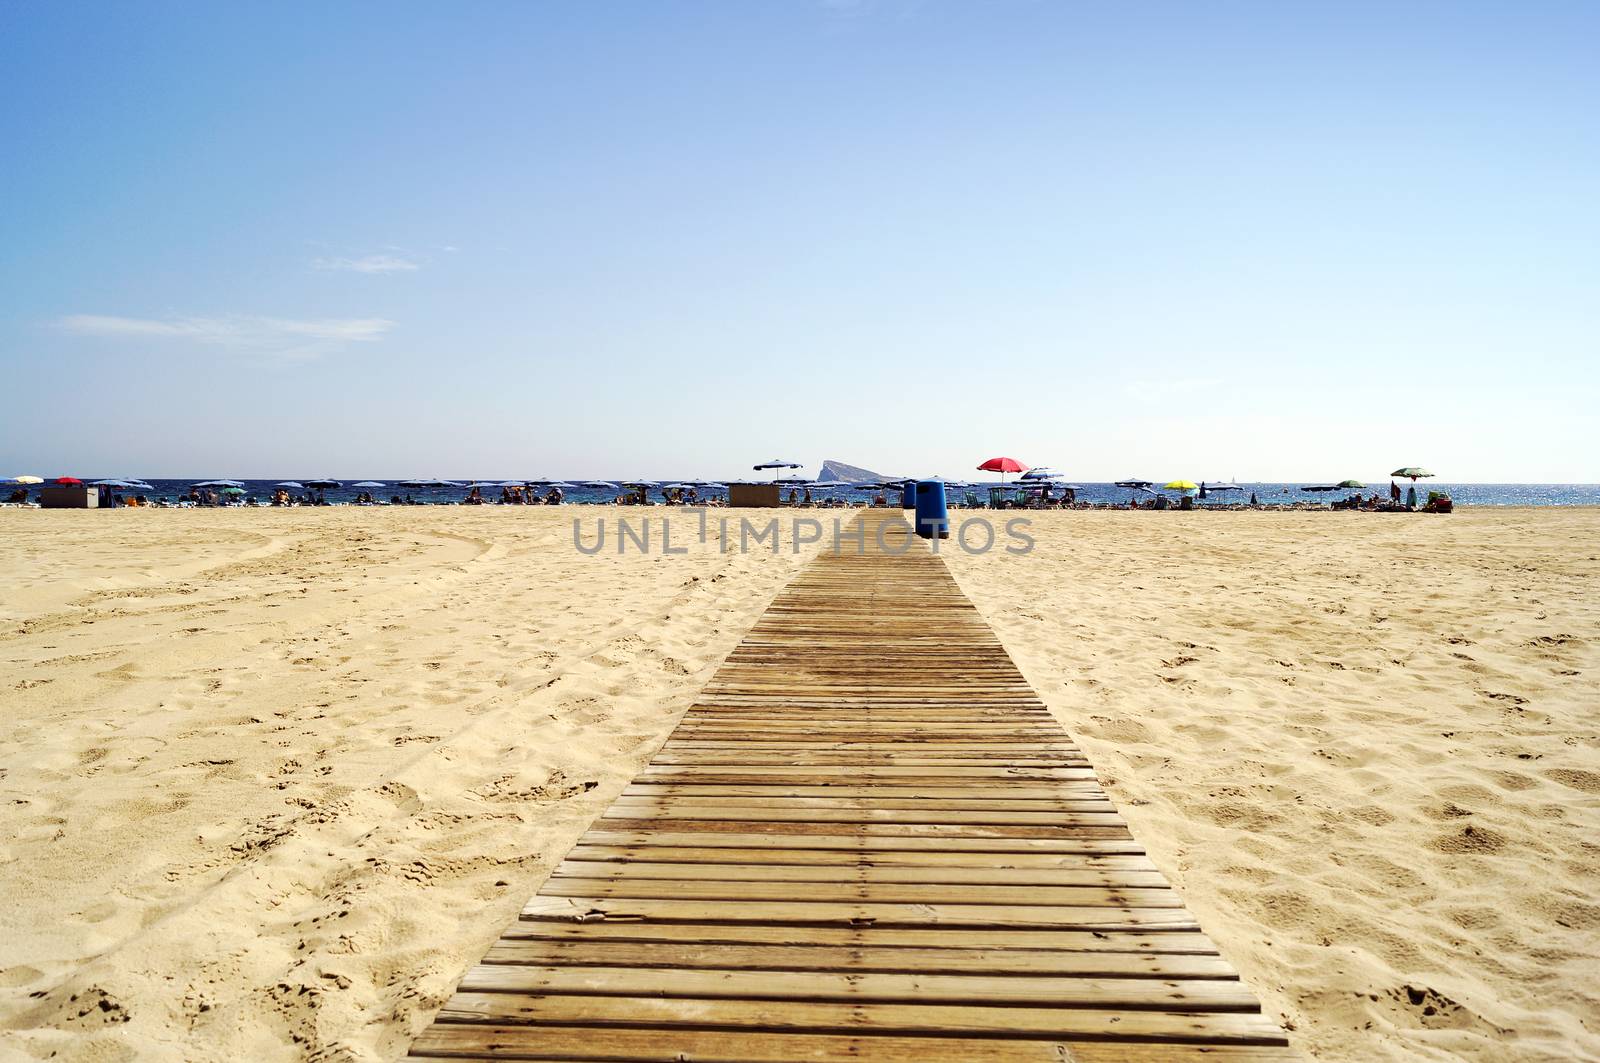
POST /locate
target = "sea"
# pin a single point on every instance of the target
(1266, 493)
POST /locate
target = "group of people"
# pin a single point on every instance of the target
(282, 497)
(509, 496)
(1437, 502)
(671, 496)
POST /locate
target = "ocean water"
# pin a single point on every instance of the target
(1266, 493)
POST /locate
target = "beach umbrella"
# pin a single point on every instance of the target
(218, 483)
(28, 480)
(69, 481)
(363, 483)
(1002, 466)
(294, 484)
(1414, 473)
(557, 483)
(1350, 484)
(233, 490)
(712, 485)
(1187, 488)
(828, 485)
(1135, 486)
(1039, 472)
(1223, 487)
(1320, 487)
(323, 485)
(641, 483)
(110, 483)
(777, 463)
(600, 485)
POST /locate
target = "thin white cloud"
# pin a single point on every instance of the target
(275, 337)
(377, 263)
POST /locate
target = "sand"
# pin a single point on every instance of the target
(270, 781)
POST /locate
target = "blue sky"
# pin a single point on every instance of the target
(1263, 241)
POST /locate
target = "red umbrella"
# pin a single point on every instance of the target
(69, 480)
(1002, 466)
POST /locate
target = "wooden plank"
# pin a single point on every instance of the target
(1181, 941)
(922, 773)
(987, 894)
(573, 867)
(1069, 991)
(864, 859)
(816, 811)
(636, 802)
(856, 958)
(1223, 1027)
(690, 824)
(650, 1045)
(1076, 844)
(1004, 792)
(857, 913)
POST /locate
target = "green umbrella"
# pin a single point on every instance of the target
(233, 490)
(1350, 484)
(1412, 471)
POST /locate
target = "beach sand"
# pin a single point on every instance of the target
(270, 780)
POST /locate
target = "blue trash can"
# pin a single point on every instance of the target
(908, 495)
(933, 518)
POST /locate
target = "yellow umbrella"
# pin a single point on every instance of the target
(29, 480)
(1183, 485)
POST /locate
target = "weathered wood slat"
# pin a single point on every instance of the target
(485, 1042)
(1186, 941)
(856, 958)
(866, 844)
(996, 876)
(867, 839)
(864, 861)
(827, 1017)
(550, 905)
(843, 987)
(985, 894)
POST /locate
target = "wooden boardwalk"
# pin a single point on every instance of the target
(867, 840)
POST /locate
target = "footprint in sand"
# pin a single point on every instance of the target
(1583, 781)
(1470, 840)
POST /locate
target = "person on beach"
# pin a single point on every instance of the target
(1394, 491)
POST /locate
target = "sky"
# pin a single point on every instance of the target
(1225, 240)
